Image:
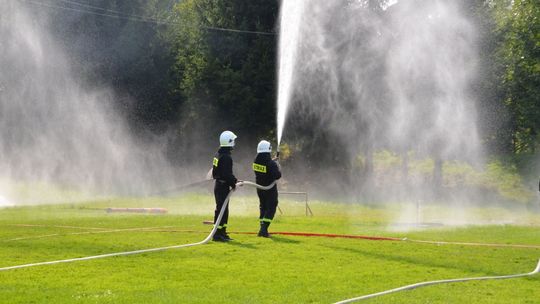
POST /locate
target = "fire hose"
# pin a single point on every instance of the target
(204, 241)
(422, 284)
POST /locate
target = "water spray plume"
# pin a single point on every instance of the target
(377, 79)
(4, 202)
(54, 132)
(289, 32)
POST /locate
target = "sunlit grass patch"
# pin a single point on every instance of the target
(283, 269)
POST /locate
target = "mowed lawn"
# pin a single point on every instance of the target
(283, 269)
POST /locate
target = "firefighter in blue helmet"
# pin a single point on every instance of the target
(266, 172)
(222, 172)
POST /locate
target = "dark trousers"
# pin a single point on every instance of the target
(220, 193)
(268, 201)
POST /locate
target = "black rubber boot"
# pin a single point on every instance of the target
(267, 234)
(264, 230)
(219, 236)
(260, 229)
(226, 235)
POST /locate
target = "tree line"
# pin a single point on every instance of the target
(177, 71)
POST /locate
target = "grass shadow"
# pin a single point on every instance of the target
(415, 261)
(279, 239)
(242, 245)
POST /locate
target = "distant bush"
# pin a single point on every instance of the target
(495, 177)
(507, 181)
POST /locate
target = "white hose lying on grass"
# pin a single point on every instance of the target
(422, 284)
(206, 240)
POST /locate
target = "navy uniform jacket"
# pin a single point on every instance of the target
(266, 170)
(222, 169)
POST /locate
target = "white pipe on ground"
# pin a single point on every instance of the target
(422, 284)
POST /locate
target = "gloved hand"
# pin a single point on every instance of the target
(233, 187)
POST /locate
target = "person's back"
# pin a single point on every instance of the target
(222, 172)
(266, 171)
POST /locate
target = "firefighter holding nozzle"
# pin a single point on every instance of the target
(266, 171)
(225, 181)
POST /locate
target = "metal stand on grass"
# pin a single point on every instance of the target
(305, 194)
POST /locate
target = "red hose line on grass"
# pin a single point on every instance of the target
(364, 237)
(384, 238)
(330, 235)
(306, 234)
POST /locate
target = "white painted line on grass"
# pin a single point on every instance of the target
(56, 226)
(85, 232)
(422, 284)
(473, 244)
(31, 237)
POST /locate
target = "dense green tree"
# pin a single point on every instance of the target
(493, 116)
(226, 77)
(173, 66)
(519, 52)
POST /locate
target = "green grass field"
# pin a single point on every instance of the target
(283, 269)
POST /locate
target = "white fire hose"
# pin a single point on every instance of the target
(206, 240)
(422, 284)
